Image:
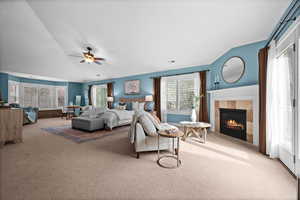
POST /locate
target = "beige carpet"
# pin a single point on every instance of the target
(47, 166)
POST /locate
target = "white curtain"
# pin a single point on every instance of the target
(197, 83)
(99, 96)
(279, 101)
(163, 99)
(272, 124)
(93, 95)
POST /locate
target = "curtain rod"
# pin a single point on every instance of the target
(179, 74)
(283, 23)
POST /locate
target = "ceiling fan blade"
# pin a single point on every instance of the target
(82, 61)
(98, 63)
(99, 59)
(75, 55)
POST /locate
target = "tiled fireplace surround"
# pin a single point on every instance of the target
(246, 98)
(236, 104)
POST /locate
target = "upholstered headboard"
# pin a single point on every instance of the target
(128, 100)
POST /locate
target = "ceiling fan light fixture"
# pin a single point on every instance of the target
(89, 58)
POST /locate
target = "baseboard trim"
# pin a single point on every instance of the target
(287, 168)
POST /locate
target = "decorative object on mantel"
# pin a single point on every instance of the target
(132, 87)
(233, 69)
(216, 82)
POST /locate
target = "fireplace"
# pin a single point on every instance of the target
(233, 122)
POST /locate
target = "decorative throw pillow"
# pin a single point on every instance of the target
(156, 118)
(153, 120)
(147, 125)
(122, 104)
(121, 107)
(142, 106)
(149, 106)
(128, 106)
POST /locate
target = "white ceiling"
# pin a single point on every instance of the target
(135, 36)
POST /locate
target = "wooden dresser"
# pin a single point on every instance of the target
(11, 125)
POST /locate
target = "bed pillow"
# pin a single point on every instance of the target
(135, 106)
(128, 106)
(149, 106)
(142, 106)
(147, 125)
(121, 107)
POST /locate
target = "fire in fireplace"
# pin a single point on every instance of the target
(233, 122)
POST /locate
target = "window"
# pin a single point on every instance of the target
(29, 97)
(45, 97)
(61, 96)
(180, 93)
(13, 92)
(99, 94)
(37, 95)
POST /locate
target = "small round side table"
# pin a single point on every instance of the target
(175, 154)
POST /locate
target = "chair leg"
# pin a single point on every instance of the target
(176, 151)
(137, 155)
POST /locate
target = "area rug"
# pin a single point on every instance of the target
(79, 136)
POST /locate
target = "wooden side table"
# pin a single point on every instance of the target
(175, 154)
(199, 129)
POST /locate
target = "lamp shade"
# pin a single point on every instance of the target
(110, 99)
(148, 98)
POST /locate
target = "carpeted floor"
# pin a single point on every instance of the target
(48, 166)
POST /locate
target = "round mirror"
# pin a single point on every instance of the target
(233, 69)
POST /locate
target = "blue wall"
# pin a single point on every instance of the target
(249, 53)
(75, 89)
(4, 86)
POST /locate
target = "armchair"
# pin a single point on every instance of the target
(143, 142)
(30, 115)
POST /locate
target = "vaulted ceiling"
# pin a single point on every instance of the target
(135, 36)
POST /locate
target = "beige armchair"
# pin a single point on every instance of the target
(144, 143)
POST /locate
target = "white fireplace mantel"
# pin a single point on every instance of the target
(238, 93)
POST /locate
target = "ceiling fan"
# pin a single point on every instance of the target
(88, 57)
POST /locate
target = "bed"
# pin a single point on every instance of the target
(111, 117)
(114, 117)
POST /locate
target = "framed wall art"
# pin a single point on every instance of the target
(132, 87)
